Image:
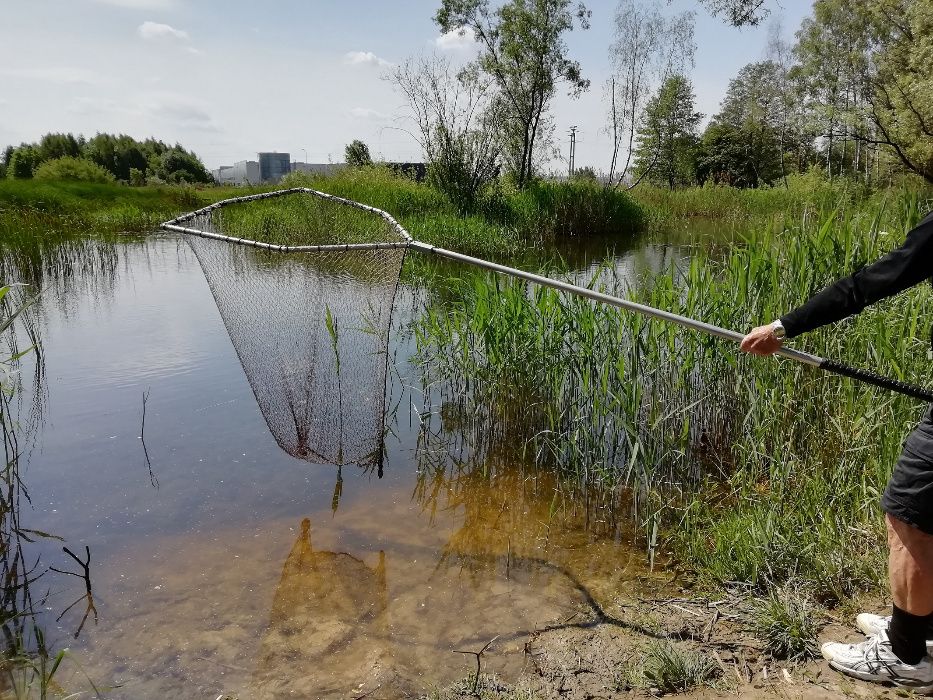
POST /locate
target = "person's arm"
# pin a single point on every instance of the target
(902, 268)
(898, 270)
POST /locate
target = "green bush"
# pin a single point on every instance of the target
(74, 169)
(577, 208)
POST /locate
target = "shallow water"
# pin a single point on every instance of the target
(220, 564)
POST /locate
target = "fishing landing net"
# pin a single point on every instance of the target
(309, 323)
(305, 284)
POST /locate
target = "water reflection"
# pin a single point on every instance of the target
(63, 268)
(328, 618)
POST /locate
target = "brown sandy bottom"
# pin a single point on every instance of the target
(380, 599)
(334, 607)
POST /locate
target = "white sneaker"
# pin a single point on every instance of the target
(873, 660)
(872, 625)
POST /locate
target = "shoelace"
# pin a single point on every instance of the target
(873, 648)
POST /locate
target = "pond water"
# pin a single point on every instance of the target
(221, 565)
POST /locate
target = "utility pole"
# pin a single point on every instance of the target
(573, 149)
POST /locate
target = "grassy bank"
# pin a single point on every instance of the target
(759, 471)
(728, 212)
(30, 207)
(506, 222)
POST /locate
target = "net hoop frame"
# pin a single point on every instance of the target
(175, 225)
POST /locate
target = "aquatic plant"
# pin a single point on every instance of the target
(504, 221)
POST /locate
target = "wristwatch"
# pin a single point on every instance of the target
(777, 330)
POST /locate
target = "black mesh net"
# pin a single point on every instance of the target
(310, 328)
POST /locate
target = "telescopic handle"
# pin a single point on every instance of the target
(862, 375)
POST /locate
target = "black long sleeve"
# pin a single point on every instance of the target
(902, 268)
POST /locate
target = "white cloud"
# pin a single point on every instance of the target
(359, 58)
(56, 74)
(179, 110)
(367, 114)
(154, 31)
(456, 40)
(101, 106)
(141, 4)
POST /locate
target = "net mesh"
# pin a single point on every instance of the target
(310, 328)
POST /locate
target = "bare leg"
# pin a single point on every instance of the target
(910, 567)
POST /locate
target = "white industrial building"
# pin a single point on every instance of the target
(269, 169)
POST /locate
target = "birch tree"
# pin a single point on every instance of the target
(648, 47)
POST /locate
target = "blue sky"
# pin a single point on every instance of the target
(233, 78)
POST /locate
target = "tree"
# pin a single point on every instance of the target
(357, 154)
(738, 13)
(453, 117)
(743, 143)
(22, 162)
(523, 51)
(52, 146)
(118, 154)
(832, 59)
(647, 48)
(179, 166)
(667, 140)
(901, 82)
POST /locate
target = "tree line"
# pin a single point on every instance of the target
(849, 96)
(103, 157)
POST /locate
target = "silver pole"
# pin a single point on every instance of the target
(724, 333)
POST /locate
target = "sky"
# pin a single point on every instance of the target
(229, 79)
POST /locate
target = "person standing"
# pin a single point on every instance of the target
(896, 650)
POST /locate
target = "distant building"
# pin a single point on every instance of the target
(222, 174)
(245, 172)
(274, 166)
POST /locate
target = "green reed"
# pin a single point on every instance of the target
(758, 470)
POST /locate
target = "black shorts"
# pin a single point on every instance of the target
(909, 494)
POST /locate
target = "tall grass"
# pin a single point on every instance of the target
(758, 470)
